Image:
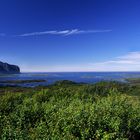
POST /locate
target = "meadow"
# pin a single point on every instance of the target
(67, 110)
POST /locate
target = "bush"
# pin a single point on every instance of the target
(72, 112)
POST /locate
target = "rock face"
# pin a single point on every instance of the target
(6, 68)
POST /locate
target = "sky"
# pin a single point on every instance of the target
(70, 35)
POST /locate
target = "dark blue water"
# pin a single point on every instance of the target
(86, 77)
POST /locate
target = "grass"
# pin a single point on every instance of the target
(66, 110)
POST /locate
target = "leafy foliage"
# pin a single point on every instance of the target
(71, 111)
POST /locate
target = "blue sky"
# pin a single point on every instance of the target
(70, 35)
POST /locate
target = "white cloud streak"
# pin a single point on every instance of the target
(128, 62)
(64, 32)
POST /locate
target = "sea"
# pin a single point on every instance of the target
(79, 77)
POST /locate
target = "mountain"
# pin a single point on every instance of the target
(6, 68)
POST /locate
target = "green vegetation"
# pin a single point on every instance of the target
(66, 110)
(133, 81)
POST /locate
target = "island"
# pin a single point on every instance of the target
(6, 68)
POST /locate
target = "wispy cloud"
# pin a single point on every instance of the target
(128, 62)
(130, 58)
(64, 32)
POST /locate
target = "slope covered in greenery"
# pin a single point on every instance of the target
(66, 110)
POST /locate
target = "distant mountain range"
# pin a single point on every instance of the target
(6, 68)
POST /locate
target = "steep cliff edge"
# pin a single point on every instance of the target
(6, 68)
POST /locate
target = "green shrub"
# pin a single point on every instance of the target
(97, 111)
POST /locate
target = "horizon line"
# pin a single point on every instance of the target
(72, 71)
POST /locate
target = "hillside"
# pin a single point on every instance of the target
(6, 68)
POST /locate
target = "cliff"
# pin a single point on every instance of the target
(6, 68)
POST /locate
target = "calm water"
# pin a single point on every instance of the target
(86, 77)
